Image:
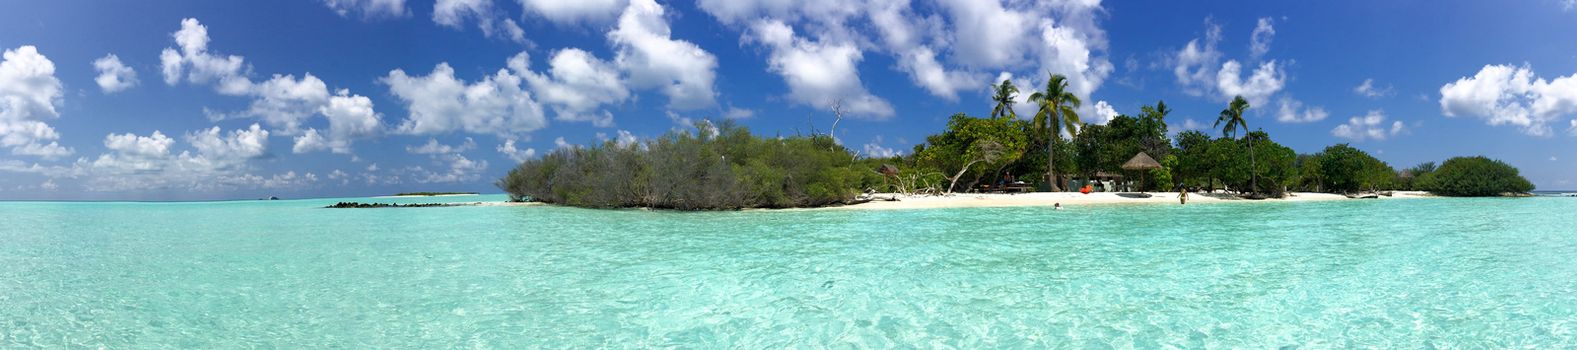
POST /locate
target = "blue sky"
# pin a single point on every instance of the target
(366, 97)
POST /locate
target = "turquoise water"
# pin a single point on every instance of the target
(1473, 273)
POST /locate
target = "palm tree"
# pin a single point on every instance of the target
(1161, 111)
(1056, 112)
(1004, 99)
(1233, 116)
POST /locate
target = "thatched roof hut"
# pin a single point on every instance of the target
(1141, 161)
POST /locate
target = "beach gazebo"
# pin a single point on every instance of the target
(1141, 162)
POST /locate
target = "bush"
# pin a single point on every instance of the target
(1475, 177)
(721, 167)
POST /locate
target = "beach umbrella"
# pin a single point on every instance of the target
(1141, 162)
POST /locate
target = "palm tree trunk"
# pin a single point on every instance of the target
(1051, 153)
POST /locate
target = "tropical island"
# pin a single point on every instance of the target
(722, 166)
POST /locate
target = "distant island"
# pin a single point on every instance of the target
(430, 194)
(722, 166)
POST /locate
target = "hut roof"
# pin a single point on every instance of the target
(1141, 161)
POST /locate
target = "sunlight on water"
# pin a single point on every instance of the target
(1474, 273)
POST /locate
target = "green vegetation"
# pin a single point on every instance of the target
(429, 194)
(1474, 177)
(726, 167)
(716, 168)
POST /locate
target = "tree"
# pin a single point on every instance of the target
(1344, 169)
(1233, 117)
(1056, 112)
(1193, 162)
(1005, 92)
(989, 143)
(1477, 177)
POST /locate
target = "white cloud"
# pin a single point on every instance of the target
(1504, 94)
(433, 147)
(282, 102)
(652, 59)
(819, 74)
(350, 117)
(238, 146)
(492, 22)
(368, 8)
(1196, 68)
(1371, 126)
(1103, 113)
(626, 139)
(899, 30)
(198, 66)
(570, 12)
(1259, 41)
(29, 94)
(738, 113)
(1367, 89)
(114, 76)
(876, 149)
(220, 162)
(153, 145)
(516, 154)
(944, 48)
(460, 169)
(439, 103)
(1293, 111)
(1267, 80)
(1573, 129)
(577, 85)
(559, 143)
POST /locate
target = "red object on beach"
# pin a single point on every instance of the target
(1085, 189)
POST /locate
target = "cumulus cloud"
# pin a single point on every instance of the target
(113, 75)
(1259, 41)
(649, 55)
(738, 113)
(1368, 89)
(577, 85)
(876, 149)
(433, 147)
(1103, 113)
(368, 8)
(1293, 111)
(1371, 126)
(819, 74)
(493, 22)
(1510, 95)
(29, 94)
(283, 102)
(571, 12)
(217, 161)
(518, 155)
(943, 48)
(1198, 68)
(198, 66)
(440, 103)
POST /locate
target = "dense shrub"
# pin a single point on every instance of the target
(1475, 177)
(718, 167)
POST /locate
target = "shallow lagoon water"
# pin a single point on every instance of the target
(1474, 273)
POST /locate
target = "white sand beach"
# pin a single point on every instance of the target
(971, 200)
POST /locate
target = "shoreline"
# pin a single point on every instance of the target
(1047, 199)
(430, 195)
